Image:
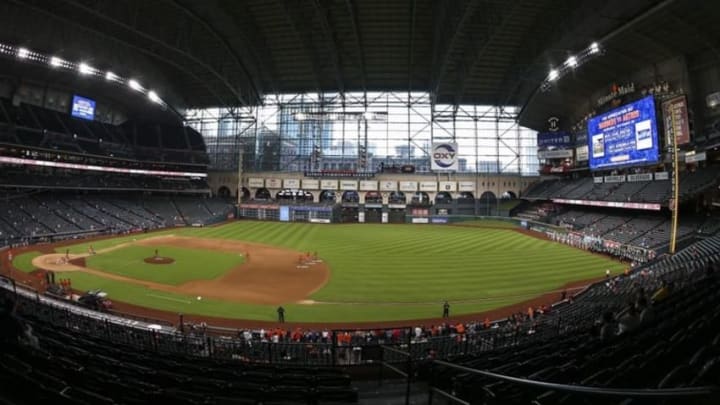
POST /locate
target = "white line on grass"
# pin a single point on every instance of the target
(169, 298)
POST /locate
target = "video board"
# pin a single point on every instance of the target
(83, 108)
(624, 136)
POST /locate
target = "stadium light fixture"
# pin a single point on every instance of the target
(85, 69)
(154, 97)
(135, 85)
(56, 62)
(553, 75)
(571, 62)
(594, 48)
(300, 116)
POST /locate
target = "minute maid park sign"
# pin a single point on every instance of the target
(444, 156)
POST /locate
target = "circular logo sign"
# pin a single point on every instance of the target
(444, 155)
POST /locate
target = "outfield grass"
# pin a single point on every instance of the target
(388, 272)
(190, 264)
(23, 261)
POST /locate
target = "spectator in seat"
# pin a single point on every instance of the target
(630, 321)
(12, 329)
(647, 312)
(607, 326)
(662, 292)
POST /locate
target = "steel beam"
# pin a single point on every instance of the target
(257, 88)
(450, 46)
(478, 50)
(213, 71)
(143, 50)
(332, 46)
(304, 40)
(350, 5)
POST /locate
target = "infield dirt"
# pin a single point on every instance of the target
(269, 274)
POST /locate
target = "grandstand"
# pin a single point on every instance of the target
(149, 133)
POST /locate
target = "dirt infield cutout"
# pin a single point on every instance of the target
(269, 274)
(159, 260)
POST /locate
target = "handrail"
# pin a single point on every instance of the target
(623, 392)
(392, 349)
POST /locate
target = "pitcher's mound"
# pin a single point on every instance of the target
(159, 260)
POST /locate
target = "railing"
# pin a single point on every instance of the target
(648, 394)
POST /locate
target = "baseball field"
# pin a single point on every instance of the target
(322, 273)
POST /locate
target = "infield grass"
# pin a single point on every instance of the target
(190, 264)
(23, 261)
(378, 271)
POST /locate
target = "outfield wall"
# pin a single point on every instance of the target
(431, 183)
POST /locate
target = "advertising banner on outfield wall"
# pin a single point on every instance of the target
(466, 186)
(254, 182)
(388, 185)
(328, 185)
(428, 186)
(351, 185)
(444, 156)
(311, 184)
(368, 185)
(447, 186)
(273, 183)
(292, 184)
(408, 186)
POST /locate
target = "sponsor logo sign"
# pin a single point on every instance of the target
(368, 185)
(448, 186)
(273, 183)
(408, 186)
(311, 184)
(328, 185)
(293, 184)
(255, 182)
(428, 186)
(387, 185)
(444, 156)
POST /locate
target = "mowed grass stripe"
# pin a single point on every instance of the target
(414, 266)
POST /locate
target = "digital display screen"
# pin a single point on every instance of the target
(83, 108)
(624, 136)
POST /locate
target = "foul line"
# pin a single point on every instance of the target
(169, 298)
(459, 301)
